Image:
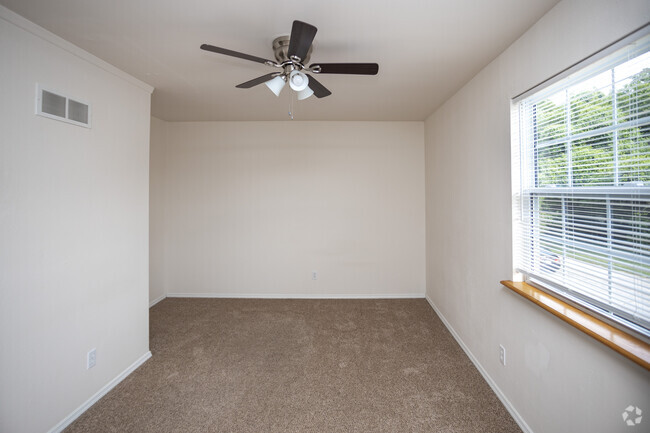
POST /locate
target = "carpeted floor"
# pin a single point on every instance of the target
(250, 365)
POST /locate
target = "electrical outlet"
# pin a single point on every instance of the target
(91, 359)
(314, 275)
(502, 355)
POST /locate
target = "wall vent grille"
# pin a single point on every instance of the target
(55, 106)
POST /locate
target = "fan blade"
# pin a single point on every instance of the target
(319, 90)
(347, 68)
(302, 35)
(232, 53)
(258, 80)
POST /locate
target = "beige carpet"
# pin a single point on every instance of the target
(249, 365)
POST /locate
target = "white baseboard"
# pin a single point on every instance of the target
(515, 415)
(102, 392)
(296, 296)
(158, 299)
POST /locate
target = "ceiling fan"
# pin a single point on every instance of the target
(292, 53)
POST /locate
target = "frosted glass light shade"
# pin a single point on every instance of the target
(298, 81)
(305, 93)
(276, 85)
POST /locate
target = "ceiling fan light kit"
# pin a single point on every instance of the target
(298, 80)
(276, 84)
(291, 54)
(305, 93)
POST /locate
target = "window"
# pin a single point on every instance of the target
(581, 184)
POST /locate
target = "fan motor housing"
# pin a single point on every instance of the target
(281, 46)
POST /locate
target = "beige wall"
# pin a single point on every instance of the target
(252, 208)
(157, 210)
(73, 229)
(557, 378)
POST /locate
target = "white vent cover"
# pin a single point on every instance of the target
(58, 107)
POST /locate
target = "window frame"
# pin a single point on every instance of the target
(588, 305)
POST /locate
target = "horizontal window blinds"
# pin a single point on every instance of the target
(583, 199)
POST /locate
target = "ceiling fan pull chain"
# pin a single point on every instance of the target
(291, 108)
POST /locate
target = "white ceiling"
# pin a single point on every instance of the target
(426, 50)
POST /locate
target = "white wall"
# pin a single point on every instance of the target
(73, 229)
(252, 208)
(157, 210)
(557, 378)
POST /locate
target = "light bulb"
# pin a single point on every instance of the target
(298, 81)
(276, 84)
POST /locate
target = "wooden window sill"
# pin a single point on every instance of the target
(622, 342)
